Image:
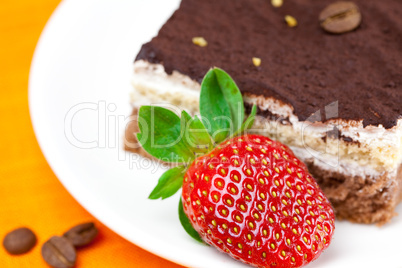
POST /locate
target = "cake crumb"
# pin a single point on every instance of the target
(200, 41)
(277, 3)
(291, 21)
(375, 113)
(256, 61)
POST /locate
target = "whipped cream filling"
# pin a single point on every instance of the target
(152, 85)
(331, 163)
(385, 143)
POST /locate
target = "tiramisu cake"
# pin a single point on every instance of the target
(335, 99)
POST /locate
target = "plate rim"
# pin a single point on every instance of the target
(41, 137)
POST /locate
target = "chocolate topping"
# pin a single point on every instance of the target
(302, 66)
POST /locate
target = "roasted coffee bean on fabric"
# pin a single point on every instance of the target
(19, 241)
(59, 252)
(340, 17)
(82, 234)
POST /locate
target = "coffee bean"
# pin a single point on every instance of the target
(82, 235)
(19, 241)
(340, 17)
(59, 252)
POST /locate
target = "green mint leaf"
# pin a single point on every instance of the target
(169, 183)
(221, 104)
(248, 123)
(185, 222)
(160, 135)
(196, 135)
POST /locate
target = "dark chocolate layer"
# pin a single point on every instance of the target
(302, 66)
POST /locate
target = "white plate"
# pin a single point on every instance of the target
(78, 92)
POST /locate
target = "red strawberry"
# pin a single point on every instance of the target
(250, 196)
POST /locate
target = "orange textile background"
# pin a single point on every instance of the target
(30, 193)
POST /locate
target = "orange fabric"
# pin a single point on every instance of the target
(30, 194)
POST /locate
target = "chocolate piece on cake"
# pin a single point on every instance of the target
(334, 99)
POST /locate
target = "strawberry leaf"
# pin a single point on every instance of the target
(221, 104)
(185, 222)
(233, 97)
(195, 134)
(169, 183)
(161, 136)
(248, 123)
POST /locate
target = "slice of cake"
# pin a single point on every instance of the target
(334, 99)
